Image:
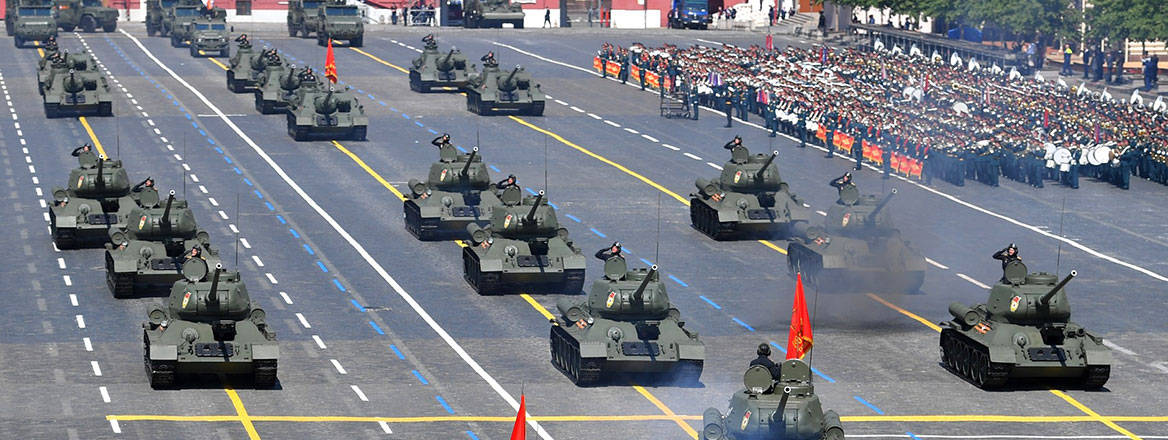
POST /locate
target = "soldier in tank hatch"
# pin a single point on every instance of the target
(764, 359)
(609, 252)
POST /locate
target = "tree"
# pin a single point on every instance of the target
(1119, 20)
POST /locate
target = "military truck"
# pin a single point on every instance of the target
(209, 325)
(748, 200)
(339, 22)
(248, 66)
(857, 250)
(208, 36)
(303, 19)
(456, 193)
(494, 91)
(149, 253)
(769, 408)
(96, 201)
(327, 114)
(492, 14)
(86, 14)
(78, 93)
(278, 85)
(12, 9)
(625, 325)
(1024, 331)
(179, 15)
(157, 12)
(434, 69)
(33, 23)
(524, 249)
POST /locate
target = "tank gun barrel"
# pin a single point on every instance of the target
(872, 216)
(777, 417)
(1046, 298)
(446, 61)
(531, 214)
(765, 165)
(466, 168)
(511, 76)
(213, 295)
(166, 212)
(639, 295)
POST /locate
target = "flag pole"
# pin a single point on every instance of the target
(814, 311)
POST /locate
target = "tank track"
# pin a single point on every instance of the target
(705, 219)
(963, 357)
(413, 220)
(565, 352)
(688, 371)
(1096, 376)
(833, 433)
(121, 285)
(264, 373)
(488, 284)
(160, 373)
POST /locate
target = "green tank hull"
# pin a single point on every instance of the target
(786, 408)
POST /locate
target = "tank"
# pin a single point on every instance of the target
(209, 325)
(624, 325)
(79, 91)
(33, 23)
(441, 70)
(749, 200)
(523, 249)
(149, 254)
(857, 250)
(1024, 331)
(492, 14)
(339, 21)
(495, 91)
(766, 409)
(327, 114)
(95, 202)
(277, 85)
(247, 65)
(457, 193)
(51, 65)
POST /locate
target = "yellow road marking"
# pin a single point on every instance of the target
(93, 136)
(538, 307)
(365, 167)
(1094, 415)
(904, 312)
(375, 58)
(665, 409)
(217, 62)
(242, 412)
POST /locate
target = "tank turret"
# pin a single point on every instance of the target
(630, 294)
(155, 221)
(508, 83)
(748, 200)
(861, 216)
(436, 70)
(98, 178)
(494, 92)
(447, 62)
(455, 194)
(774, 408)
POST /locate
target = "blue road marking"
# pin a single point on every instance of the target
(210, 141)
(451, 410)
(228, 159)
(398, 111)
(194, 125)
(294, 233)
(472, 435)
(370, 95)
(432, 131)
(218, 150)
(743, 324)
(911, 435)
(382, 103)
(337, 283)
(357, 305)
(257, 193)
(405, 115)
(310, 251)
(397, 352)
(270, 207)
(573, 218)
(553, 205)
(203, 133)
(321, 266)
(419, 124)
(237, 171)
(647, 262)
(813, 370)
(530, 190)
(189, 117)
(601, 234)
(281, 219)
(360, 91)
(683, 284)
(248, 182)
(458, 147)
(420, 378)
(376, 328)
(714, 304)
(494, 168)
(869, 405)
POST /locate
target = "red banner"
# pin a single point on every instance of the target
(821, 134)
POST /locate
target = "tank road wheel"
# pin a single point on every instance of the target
(304, 32)
(160, 373)
(110, 27)
(573, 281)
(263, 106)
(833, 433)
(485, 108)
(88, 24)
(979, 368)
(264, 373)
(1096, 376)
(231, 81)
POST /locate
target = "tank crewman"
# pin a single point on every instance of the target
(736, 142)
(506, 183)
(844, 181)
(243, 41)
(51, 45)
(764, 359)
(609, 252)
(428, 39)
(148, 183)
(441, 141)
(194, 253)
(80, 150)
(489, 59)
(308, 75)
(1007, 255)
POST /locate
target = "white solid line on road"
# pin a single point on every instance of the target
(257, 260)
(714, 166)
(80, 321)
(319, 342)
(96, 368)
(1116, 347)
(360, 395)
(692, 156)
(88, 344)
(338, 366)
(303, 321)
(939, 265)
(671, 147)
(606, 121)
(73, 299)
(650, 138)
(271, 278)
(975, 282)
(344, 234)
(104, 394)
(384, 426)
(286, 298)
(544, 59)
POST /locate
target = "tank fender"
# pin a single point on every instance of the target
(66, 221)
(123, 265)
(833, 261)
(691, 352)
(574, 262)
(593, 349)
(491, 264)
(728, 215)
(265, 351)
(160, 352)
(1003, 354)
(427, 210)
(831, 420)
(1097, 353)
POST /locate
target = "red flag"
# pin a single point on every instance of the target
(330, 64)
(799, 339)
(1045, 118)
(519, 431)
(770, 42)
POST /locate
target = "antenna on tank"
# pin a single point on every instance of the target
(657, 252)
(118, 136)
(1058, 258)
(814, 312)
(545, 161)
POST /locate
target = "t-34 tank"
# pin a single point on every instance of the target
(625, 325)
(277, 85)
(769, 409)
(494, 91)
(209, 325)
(327, 115)
(1023, 332)
(749, 200)
(457, 192)
(524, 249)
(150, 253)
(857, 250)
(78, 92)
(96, 202)
(434, 69)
